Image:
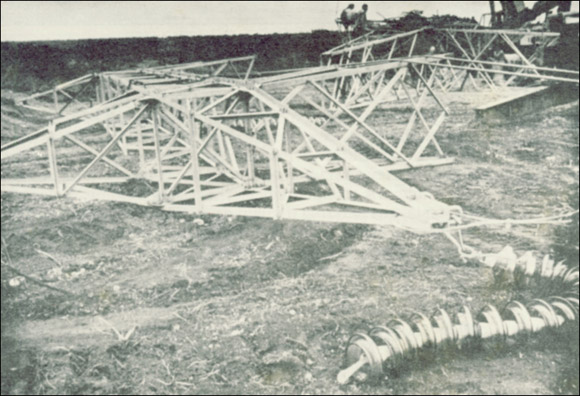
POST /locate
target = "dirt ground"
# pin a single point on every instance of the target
(158, 303)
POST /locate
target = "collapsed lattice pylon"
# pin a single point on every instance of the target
(91, 89)
(300, 145)
(458, 56)
(308, 145)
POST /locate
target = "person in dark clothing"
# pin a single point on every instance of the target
(360, 27)
(348, 17)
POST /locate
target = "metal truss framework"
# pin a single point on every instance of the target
(463, 55)
(97, 88)
(300, 145)
(309, 144)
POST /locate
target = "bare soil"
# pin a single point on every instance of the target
(162, 304)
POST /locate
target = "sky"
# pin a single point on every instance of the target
(66, 20)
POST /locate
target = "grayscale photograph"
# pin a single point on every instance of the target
(290, 197)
